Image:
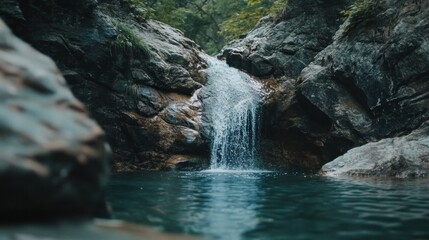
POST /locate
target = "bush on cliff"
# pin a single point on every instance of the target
(211, 23)
(361, 11)
(128, 42)
(243, 21)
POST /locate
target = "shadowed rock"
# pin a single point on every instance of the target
(332, 92)
(277, 50)
(154, 82)
(53, 157)
(373, 81)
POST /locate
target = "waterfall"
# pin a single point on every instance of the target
(234, 111)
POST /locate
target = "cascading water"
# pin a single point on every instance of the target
(234, 113)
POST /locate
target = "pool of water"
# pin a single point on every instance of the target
(269, 205)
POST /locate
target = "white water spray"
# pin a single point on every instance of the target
(234, 111)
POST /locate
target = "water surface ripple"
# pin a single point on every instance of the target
(268, 205)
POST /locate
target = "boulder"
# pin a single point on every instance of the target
(53, 157)
(399, 157)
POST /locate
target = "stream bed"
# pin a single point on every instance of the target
(270, 205)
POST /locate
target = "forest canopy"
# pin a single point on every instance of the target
(211, 23)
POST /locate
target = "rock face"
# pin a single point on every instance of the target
(376, 74)
(371, 82)
(333, 85)
(144, 92)
(399, 157)
(283, 46)
(277, 50)
(53, 157)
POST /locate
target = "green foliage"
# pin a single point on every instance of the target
(240, 23)
(131, 89)
(139, 9)
(278, 6)
(361, 11)
(243, 21)
(128, 42)
(211, 23)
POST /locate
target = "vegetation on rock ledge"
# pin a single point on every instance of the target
(211, 23)
(128, 42)
(243, 21)
(361, 11)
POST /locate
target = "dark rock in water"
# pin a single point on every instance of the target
(53, 157)
(143, 96)
(187, 163)
(399, 157)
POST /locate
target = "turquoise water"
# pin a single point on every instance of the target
(252, 205)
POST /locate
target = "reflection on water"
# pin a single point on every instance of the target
(264, 205)
(223, 214)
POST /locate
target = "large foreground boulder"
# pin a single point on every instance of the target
(399, 157)
(53, 157)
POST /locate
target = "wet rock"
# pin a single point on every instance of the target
(333, 88)
(284, 45)
(176, 62)
(175, 130)
(374, 77)
(53, 157)
(277, 50)
(153, 84)
(399, 157)
(187, 163)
